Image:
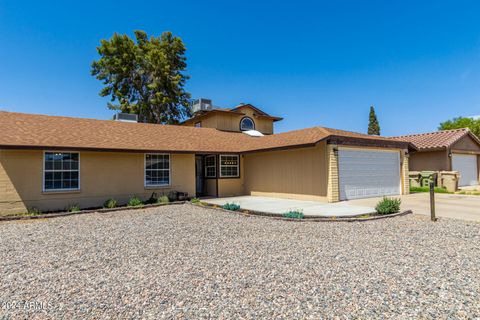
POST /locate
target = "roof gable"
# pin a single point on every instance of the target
(438, 139)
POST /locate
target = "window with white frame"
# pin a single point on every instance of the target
(61, 171)
(210, 167)
(247, 124)
(229, 166)
(157, 170)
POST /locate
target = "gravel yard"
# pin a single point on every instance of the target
(182, 261)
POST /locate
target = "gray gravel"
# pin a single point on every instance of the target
(188, 262)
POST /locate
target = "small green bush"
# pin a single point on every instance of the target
(388, 206)
(163, 199)
(231, 206)
(294, 214)
(34, 211)
(110, 203)
(134, 202)
(74, 208)
(195, 200)
(427, 189)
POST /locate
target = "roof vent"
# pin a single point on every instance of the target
(201, 104)
(253, 133)
(125, 117)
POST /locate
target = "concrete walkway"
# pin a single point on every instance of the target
(309, 208)
(455, 206)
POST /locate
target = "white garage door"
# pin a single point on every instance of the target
(366, 173)
(466, 164)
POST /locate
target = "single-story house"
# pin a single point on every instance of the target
(447, 150)
(51, 162)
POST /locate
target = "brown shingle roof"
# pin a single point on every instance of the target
(436, 140)
(19, 130)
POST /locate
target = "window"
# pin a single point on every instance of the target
(61, 171)
(228, 166)
(210, 167)
(157, 170)
(198, 124)
(247, 124)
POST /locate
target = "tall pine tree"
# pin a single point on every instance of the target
(373, 125)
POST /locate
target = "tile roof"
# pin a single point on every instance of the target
(20, 130)
(436, 140)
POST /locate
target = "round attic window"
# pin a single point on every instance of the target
(247, 124)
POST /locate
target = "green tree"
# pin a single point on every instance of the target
(146, 76)
(373, 125)
(461, 122)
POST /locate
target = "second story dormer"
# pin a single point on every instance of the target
(244, 117)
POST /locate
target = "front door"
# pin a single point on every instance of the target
(199, 175)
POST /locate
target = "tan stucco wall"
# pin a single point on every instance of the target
(211, 187)
(295, 173)
(103, 175)
(233, 186)
(231, 122)
(429, 160)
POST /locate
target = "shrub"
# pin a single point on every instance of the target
(74, 208)
(388, 206)
(34, 211)
(231, 206)
(195, 200)
(134, 202)
(173, 195)
(153, 199)
(294, 214)
(163, 199)
(110, 203)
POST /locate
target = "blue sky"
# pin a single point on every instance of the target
(311, 62)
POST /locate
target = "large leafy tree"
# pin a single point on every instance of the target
(373, 125)
(145, 76)
(462, 122)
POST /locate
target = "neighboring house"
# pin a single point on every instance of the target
(448, 150)
(51, 162)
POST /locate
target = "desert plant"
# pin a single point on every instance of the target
(74, 208)
(294, 214)
(163, 199)
(134, 202)
(153, 198)
(110, 203)
(231, 206)
(388, 206)
(195, 200)
(173, 195)
(34, 211)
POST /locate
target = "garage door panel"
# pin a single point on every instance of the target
(466, 164)
(367, 173)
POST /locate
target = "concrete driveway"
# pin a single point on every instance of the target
(455, 206)
(309, 208)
